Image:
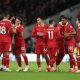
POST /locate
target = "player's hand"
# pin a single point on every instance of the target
(14, 30)
(40, 34)
(66, 36)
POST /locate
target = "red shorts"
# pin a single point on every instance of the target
(70, 44)
(53, 52)
(5, 47)
(19, 47)
(40, 49)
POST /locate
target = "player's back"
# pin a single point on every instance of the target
(52, 35)
(5, 26)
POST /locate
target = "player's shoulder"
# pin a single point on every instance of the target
(69, 25)
(6, 21)
(59, 24)
(22, 26)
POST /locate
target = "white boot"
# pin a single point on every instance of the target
(26, 69)
(39, 69)
(19, 69)
(7, 70)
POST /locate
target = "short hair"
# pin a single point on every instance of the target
(63, 17)
(11, 15)
(39, 16)
(51, 21)
(20, 19)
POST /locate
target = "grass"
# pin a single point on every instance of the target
(33, 75)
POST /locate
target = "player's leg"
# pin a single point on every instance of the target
(6, 51)
(73, 65)
(3, 66)
(53, 57)
(6, 61)
(78, 57)
(61, 53)
(26, 62)
(18, 59)
(39, 62)
(59, 58)
(44, 53)
(46, 58)
(23, 52)
(38, 52)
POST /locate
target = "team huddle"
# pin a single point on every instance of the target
(56, 41)
(53, 42)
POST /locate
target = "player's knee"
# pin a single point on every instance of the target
(17, 56)
(23, 54)
(38, 55)
(6, 53)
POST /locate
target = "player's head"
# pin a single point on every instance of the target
(11, 17)
(78, 20)
(51, 23)
(39, 20)
(5, 15)
(18, 20)
(63, 19)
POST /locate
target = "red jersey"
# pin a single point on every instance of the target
(53, 35)
(18, 37)
(78, 33)
(5, 28)
(39, 30)
(66, 29)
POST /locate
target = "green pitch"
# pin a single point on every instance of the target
(33, 75)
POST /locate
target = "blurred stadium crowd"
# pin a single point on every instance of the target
(30, 9)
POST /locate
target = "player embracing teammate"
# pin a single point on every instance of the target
(68, 33)
(50, 40)
(7, 31)
(60, 41)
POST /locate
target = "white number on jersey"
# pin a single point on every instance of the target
(50, 34)
(2, 30)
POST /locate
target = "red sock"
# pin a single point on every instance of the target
(59, 59)
(25, 59)
(4, 60)
(78, 62)
(52, 61)
(47, 60)
(7, 61)
(72, 61)
(19, 61)
(39, 63)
